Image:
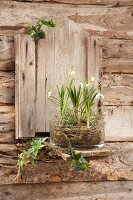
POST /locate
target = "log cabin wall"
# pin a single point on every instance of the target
(117, 66)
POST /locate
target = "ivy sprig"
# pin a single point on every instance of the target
(37, 32)
(31, 154)
(77, 161)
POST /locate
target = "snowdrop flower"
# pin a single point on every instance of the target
(87, 84)
(99, 95)
(81, 85)
(49, 94)
(72, 73)
(92, 79)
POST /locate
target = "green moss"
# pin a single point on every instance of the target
(78, 136)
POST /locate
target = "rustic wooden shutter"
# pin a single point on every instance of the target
(24, 86)
(34, 78)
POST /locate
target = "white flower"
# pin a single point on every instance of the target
(92, 79)
(49, 94)
(87, 84)
(72, 73)
(99, 95)
(81, 85)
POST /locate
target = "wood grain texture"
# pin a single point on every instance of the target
(8, 137)
(25, 86)
(112, 25)
(117, 56)
(6, 53)
(118, 123)
(7, 119)
(118, 89)
(70, 191)
(118, 166)
(114, 65)
(90, 2)
(52, 10)
(8, 149)
(117, 49)
(45, 76)
(7, 87)
(84, 2)
(94, 59)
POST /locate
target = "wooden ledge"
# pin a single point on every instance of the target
(117, 166)
(97, 152)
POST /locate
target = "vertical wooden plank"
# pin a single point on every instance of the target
(24, 86)
(94, 59)
(41, 54)
(78, 51)
(45, 64)
(57, 68)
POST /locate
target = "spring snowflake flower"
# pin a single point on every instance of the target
(72, 73)
(87, 84)
(99, 95)
(49, 94)
(81, 85)
(92, 79)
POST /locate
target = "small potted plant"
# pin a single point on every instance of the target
(79, 120)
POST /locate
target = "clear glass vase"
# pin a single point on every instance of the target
(80, 136)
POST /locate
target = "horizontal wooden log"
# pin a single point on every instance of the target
(118, 89)
(8, 137)
(118, 190)
(89, 2)
(6, 53)
(50, 10)
(118, 166)
(107, 25)
(115, 65)
(11, 30)
(117, 56)
(7, 119)
(107, 22)
(8, 149)
(7, 87)
(8, 160)
(119, 49)
(85, 2)
(118, 123)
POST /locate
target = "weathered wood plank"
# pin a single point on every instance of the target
(25, 86)
(103, 22)
(59, 65)
(113, 25)
(8, 137)
(118, 89)
(12, 30)
(50, 10)
(7, 119)
(84, 2)
(8, 149)
(90, 2)
(64, 55)
(118, 123)
(41, 51)
(117, 56)
(94, 59)
(115, 65)
(119, 49)
(119, 190)
(7, 87)
(6, 53)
